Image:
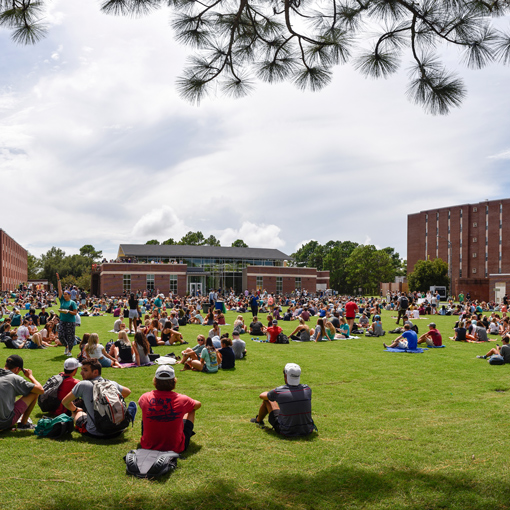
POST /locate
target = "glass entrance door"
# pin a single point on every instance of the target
(195, 288)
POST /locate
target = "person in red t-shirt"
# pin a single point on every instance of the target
(432, 337)
(350, 313)
(167, 417)
(273, 332)
(71, 366)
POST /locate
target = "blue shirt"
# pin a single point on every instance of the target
(412, 339)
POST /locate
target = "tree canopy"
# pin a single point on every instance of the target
(240, 41)
(239, 243)
(427, 273)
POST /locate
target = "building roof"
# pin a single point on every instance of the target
(177, 251)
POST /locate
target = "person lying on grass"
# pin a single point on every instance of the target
(288, 407)
(167, 416)
(502, 352)
(12, 385)
(407, 340)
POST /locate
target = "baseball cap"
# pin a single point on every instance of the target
(293, 373)
(432, 324)
(275, 322)
(15, 360)
(165, 372)
(71, 364)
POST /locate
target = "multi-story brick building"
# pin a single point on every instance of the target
(473, 238)
(13, 262)
(182, 269)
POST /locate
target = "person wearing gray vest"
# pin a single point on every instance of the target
(289, 406)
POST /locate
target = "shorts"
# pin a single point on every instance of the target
(402, 345)
(31, 345)
(133, 314)
(273, 420)
(19, 409)
(429, 341)
(188, 433)
(350, 318)
(105, 362)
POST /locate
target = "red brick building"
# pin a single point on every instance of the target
(473, 238)
(184, 269)
(13, 262)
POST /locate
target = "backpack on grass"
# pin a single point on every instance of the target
(49, 401)
(150, 463)
(110, 410)
(282, 338)
(54, 428)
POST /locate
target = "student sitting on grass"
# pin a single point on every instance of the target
(94, 350)
(167, 417)
(407, 340)
(210, 359)
(170, 336)
(460, 333)
(122, 350)
(289, 407)
(302, 332)
(432, 337)
(141, 349)
(84, 418)
(228, 358)
(502, 353)
(71, 366)
(192, 353)
(12, 385)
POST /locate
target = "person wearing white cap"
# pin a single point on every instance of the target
(289, 407)
(167, 417)
(71, 366)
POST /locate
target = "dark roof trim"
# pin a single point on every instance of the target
(186, 251)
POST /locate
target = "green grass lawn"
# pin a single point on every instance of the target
(413, 431)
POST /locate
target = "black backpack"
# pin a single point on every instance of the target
(404, 303)
(282, 338)
(150, 463)
(48, 401)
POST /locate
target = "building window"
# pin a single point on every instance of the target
(460, 273)
(475, 209)
(461, 213)
(475, 239)
(260, 283)
(279, 284)
(426, 218)
(298, 283)
(150, 282)
(486, 209)
(500, 207)
(126, 283)
(173, 283)
(475, 224)
(474, 270)
(474, 255)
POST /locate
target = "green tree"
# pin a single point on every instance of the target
(427, 273)
(212, 241)
(152, 241)
(399, 264)
(244, 40)
(302, 256)
(169, 241)
(335, 262)
(193, 239)
(89, 251)
(367, 266)
(52, 262)
(239, 243)
(33, 266)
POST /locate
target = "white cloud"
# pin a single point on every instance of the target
(501, 155)
(255, 236)
(161, 222)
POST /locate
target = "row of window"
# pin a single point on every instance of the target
(279, 283)
(149, 282)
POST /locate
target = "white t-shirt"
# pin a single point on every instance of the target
(97, 352)
(23, 333)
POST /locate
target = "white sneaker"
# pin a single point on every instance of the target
(69, 354)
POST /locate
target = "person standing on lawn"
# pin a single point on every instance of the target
(12, 385)
(67, 325)
(350, 313)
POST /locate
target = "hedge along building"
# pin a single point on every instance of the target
(475, 241)
(182, 269)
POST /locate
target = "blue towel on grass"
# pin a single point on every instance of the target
(436, 346)
(396, 349)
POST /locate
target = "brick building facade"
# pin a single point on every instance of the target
(473, 238)
(13, 262)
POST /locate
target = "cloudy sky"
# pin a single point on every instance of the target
(96, 146)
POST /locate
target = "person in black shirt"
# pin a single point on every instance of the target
(228, 359)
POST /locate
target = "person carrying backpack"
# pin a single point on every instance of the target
(105, 414)
(403, 305)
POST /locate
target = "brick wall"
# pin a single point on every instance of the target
(13, 262)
